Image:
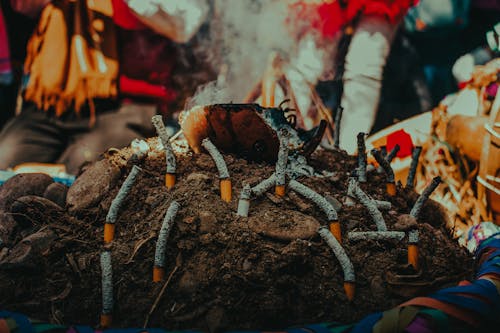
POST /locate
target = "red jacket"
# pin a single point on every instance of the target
(330, 16)
(146, 58)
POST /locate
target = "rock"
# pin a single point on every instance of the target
(208, 222)
(21, 185)
(92, 185)
(198, 178)
(405, 222)
(31, 209)
(56, 192)
(284, 225)
(28, 252)
(334, 202)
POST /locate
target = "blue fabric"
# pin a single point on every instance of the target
(23, 323)
(366, 324)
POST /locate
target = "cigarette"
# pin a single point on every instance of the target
(413, 167)
(169, 153)
(338, 119)
(107, 289)
(417, 208)
(413, 236)
(392, 153)
(264, 186)
(390, 184)
(117, 203)
(281, 164)
(350, 192)
(376, 235)
(225, 181)
(413, 254)
(345, 262)
(244, 202)
(322, 203)
(383, 152)
(161, 243)
(371, 207)
(361, 158)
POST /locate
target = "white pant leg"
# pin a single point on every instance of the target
(364, 65)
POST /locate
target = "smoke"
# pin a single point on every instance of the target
(244, 34)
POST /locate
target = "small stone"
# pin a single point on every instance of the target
(208, 222)
(21, 185)
(92, 185)
(334, 202)
(405, 222)
(284, 225)
(198, 178)
(56, 192)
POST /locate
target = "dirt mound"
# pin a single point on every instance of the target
(265, 271)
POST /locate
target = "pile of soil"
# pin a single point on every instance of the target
(224, 271)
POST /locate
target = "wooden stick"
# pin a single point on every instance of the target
(157, 300)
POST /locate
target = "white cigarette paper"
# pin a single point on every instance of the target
(217, 157)
(117, 202)
(318, 199)
(107, 282)
(339, 252)
(166, 227)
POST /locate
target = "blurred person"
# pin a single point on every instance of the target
(83, 96)
(16, 26)
(368, 28)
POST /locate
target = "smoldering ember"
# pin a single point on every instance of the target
(249, 166)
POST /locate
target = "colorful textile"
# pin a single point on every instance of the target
(5, 65)
(470, 307)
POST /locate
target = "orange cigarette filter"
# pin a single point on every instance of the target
(226, 190)
(413, 255)
(279, 190)
(109, 232)
(106, 320)
(335, 230)
(391, 189)
(158, 274)
(350, 290)
(170, 180)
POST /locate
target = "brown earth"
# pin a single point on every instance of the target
(227, 271)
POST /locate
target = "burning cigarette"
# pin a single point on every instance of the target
(392, 153)
(413, 167)
(225, 181)
(361, 158)
(107, 289)
(413, 236)
(376, 235)
(161, 243)
(391, 185)
(338, 119)
(372, 208)
(345, 262)
(264, 185)
(281, 164)
(116, 204)
(169, 153)
(322, 203)
(244, 203)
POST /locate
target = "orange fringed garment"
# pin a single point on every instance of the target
(70, 62)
